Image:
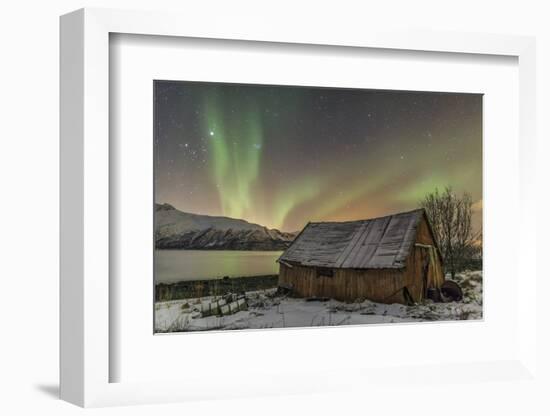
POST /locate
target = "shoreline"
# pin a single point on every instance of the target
(213, 287)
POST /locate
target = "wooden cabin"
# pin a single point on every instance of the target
(391, 259)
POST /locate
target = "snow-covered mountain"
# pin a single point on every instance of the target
(181, 230)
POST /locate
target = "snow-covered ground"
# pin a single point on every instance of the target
(268, 310)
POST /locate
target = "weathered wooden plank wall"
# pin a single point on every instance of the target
(381, 285)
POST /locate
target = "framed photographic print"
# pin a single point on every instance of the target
(225, 196)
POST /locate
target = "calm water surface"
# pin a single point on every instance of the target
(177, 265)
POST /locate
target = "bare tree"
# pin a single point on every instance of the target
(451, 219)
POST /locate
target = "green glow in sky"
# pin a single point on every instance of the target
(235, 156)
(292, 196)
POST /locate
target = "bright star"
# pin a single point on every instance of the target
(211, 133)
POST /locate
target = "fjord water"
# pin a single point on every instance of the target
(178, 265)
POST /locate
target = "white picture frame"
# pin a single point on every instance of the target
(85, 211)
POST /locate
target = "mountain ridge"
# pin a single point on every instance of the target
(175, 229)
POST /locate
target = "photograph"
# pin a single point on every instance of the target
(282, 206)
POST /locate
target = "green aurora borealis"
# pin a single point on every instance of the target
(283, 156)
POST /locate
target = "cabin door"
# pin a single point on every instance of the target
(424, 268)
(425, 273)
(431, 269)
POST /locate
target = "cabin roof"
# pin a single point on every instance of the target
(376, 243)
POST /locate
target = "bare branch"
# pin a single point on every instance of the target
(451, 219)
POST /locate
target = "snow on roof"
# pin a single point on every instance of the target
(376, 243)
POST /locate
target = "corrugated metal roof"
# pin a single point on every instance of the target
(376, 243)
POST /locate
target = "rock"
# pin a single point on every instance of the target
(450, 290)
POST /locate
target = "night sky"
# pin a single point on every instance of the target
(282, 156)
